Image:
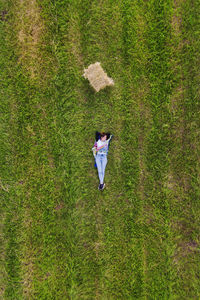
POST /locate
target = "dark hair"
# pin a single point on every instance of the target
(102, 134)
(98, 135)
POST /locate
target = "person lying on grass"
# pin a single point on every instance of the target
(100, 151)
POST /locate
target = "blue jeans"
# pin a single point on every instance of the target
(101, 161)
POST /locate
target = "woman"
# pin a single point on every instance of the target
(100, 151)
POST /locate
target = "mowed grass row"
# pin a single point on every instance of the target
(158, 244)
(8, 246)
(66, 240)
(11, 208)
(183, 182)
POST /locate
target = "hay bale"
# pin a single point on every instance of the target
(97, 77)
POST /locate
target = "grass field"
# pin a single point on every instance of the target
(60, 237)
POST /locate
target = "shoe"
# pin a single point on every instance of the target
(100, 186)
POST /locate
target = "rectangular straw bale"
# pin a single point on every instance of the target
(97, 77)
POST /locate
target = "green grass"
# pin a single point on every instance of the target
(62, 238)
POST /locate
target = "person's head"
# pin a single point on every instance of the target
(103, 136)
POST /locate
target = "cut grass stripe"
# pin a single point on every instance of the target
(9, 190)
(184, 159)
(158, 236)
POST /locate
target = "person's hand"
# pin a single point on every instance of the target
(94, 151)
(111, 137)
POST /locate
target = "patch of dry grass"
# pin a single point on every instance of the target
(30, 27)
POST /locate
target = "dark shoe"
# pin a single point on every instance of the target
(102, 186)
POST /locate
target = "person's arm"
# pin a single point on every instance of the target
(110, 138)
(94, 149)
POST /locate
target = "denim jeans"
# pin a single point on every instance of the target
(101, 161)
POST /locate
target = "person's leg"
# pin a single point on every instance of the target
(104, 163)
(99, 167)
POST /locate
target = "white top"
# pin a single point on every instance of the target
(102, 145)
